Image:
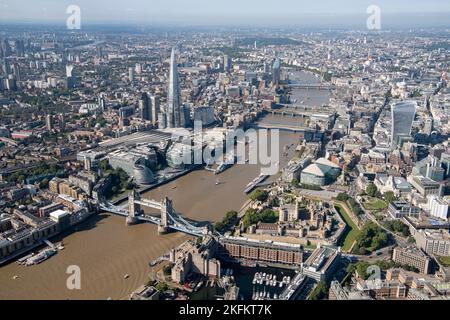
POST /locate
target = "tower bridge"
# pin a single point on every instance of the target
(169, 219)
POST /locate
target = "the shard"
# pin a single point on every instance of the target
(173, 99)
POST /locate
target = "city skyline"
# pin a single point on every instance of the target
(194, 151)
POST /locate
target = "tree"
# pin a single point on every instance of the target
(44, 184)
(162, 287)
(343, 197)
(259, 195)
(295, 183)
(268, 216)
(361, 268)
(370, 239)
(320, 292)
(274, 202)
(399, 227)
(390, 197)
(253, 217)
(103, 166)
(371, 190)
(228, 222)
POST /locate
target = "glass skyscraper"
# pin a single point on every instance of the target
(173, 99)
(276, 70)
(403, 114)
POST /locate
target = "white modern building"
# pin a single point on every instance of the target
(438, 207)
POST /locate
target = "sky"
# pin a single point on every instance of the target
(226, 12)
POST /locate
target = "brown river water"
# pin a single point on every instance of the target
(106, 249)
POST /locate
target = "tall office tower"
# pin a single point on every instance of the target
(19, 47)
(131, 74)
(162, 120)
(69, 71)
(428, 127)
(145, 108)
(138, 68)
(187, 115)
(126, 112)
(276, 73)
(49, 122)
(6, 68)
(182, 116)
(102, 102)
(10, 83)
(266, 67)
(402, 114)
(173, 98)
(99, 52)
(155, 110)
(227, 63)
(16, 71)
(62, 122)
(71, 77)
(6, 48)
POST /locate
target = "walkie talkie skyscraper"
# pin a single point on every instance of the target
(402, 114)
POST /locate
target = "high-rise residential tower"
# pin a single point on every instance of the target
(131, 74)
(71, 77)
(49, 122)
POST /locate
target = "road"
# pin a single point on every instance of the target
(383, 254)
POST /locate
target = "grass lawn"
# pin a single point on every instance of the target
(352, 230)
(311, 247)
(375, 204)
(445, 261)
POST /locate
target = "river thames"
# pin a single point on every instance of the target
(106, 249)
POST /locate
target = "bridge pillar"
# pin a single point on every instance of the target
(206, 230)
(133, 207)
(166, 210)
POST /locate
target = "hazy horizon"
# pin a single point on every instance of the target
(232, 12)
